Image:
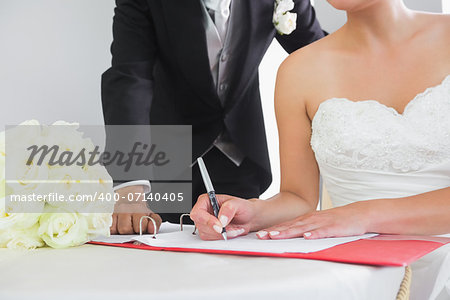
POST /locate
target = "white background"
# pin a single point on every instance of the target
(53, 52)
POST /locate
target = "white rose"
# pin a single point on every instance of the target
(10, 220)
(102, 184)
(25, 239)
(64, 123)
(2, 164)
(62, 230)
(68, 138)
(4, 238)
(283, 6)
(18, 221)
(24, 177)
(66, 183)
(286, 23)
(84, 189)
(24, 133)
(17, 205)
(2, 141)
(18, 230)
(30, 122)
(98, 224)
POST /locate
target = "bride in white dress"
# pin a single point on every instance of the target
(367, 108)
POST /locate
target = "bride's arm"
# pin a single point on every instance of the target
(427, 213)
(299, 189)
(423, 214)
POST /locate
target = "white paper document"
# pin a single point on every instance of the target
(170, 236)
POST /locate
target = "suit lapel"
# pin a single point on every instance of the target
(249, 43)
(184, 19)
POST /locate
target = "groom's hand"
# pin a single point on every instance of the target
(129, 210)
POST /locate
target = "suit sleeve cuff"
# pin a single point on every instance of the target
(144, 183)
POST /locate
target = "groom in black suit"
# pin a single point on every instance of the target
(195, 62)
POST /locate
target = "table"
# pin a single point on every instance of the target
(100, 272)
(431, 275)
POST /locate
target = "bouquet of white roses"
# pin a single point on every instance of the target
(40, 220)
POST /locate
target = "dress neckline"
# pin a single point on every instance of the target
(389, 108)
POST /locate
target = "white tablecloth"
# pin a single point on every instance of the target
(431, 276)
(100, 272)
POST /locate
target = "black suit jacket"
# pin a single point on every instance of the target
(160, 71)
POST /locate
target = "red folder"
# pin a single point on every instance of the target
(382, 250)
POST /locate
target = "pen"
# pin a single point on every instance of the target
(210, 190)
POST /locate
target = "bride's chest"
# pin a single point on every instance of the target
(370, 135)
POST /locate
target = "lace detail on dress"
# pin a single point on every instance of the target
(371, 136)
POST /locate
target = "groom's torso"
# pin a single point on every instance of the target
(182, 59)
(184, 89)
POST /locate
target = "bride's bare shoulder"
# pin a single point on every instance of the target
(443, 24)
(440, 20)
(312, 55)
(305, 69)
(436, 25)
(434, 31)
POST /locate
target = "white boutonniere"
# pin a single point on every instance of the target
(285, 22)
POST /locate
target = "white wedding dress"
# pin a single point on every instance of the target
(366, 150)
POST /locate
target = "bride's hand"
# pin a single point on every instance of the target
(342, 221)
(236, 214)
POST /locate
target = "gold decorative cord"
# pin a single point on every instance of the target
(405, 286)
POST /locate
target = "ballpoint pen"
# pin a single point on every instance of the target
(210, 191)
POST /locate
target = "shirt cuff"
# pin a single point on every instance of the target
(144, 183)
